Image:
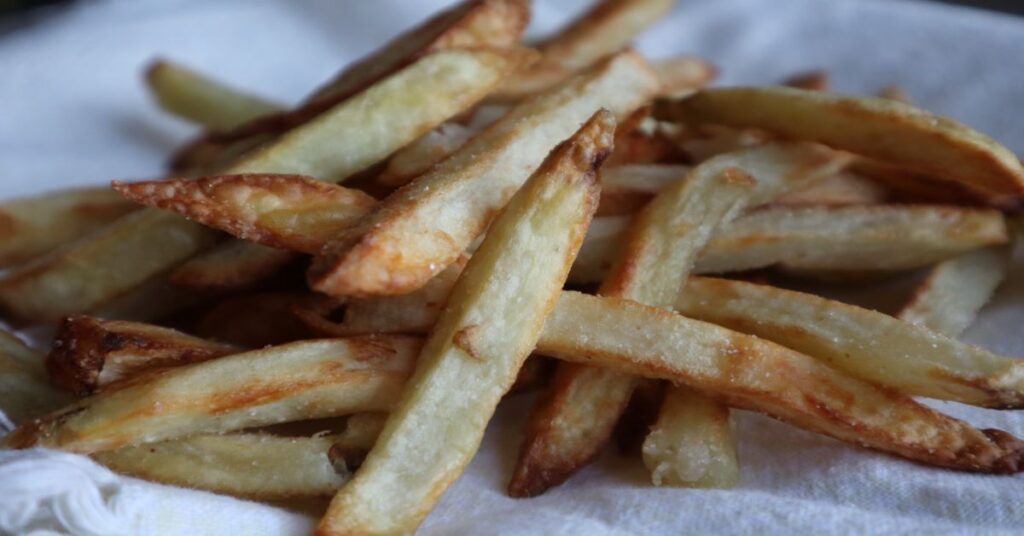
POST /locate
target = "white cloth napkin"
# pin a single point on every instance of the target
(73, 111)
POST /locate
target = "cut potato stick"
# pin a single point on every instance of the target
(32, 226)
(249, 206)
(370, 125)
(24, 392)
(841, 189)
(709, 141)
(473, 355)
(253, 466)
(626, 189)
(661, 245)
(202, 100)
(879, 128)
(233, 265)
(605, 29)
(872, 345)
(681, 76)
(850, 239)
(751, 373)
(419, 156)
(422, 228)
(642, 140)
(915, 187)
(256, 320)
(948, 300)
(298, 381)
(471, 24)
(90, 354)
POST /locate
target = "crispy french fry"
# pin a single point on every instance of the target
(470, 24)
(849, 239)
(303, 380)
(661, 246)
(810, 80)
(421, 229)
(248, 206)
(914, 187)
(233, 265)
(880, 128)
(841, 189)
(256, 320)
(419, 156)
(751, 373)
(872, 345)
(603, 30)
(202, 100)
(642, 140)
(956, 289)
(370, 126)
(255, 466)
(24, 392)
(90, 354)
(475, 351)
(691, 444)
(32, 226)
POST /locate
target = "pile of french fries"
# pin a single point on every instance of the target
(249, 326)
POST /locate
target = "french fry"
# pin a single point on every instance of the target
(202, 100)
(879, 128)
(253, 466)
(709, 141)
(468, 25)
(850, 239)
(642, 140)
(256, 320)
(248, 206)
(419, 156)
(661, 245)
(32, 226)
(872, 345)
(751, 373)
(90, 354)
(156, 299)
(626, 189)
(914, 187)
(810, 80)
(948, 300)
(233, 265)
(24, 392)
(475, 351)
(370, 126)
(691, 444)
(842, 189)
(303, 380)
(422, 228)
(681, 76)
(603, 30)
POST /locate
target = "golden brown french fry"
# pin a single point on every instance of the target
(879, 128)
(35, 225)
(810, 80)
(914, 187)
(419, 156)
(298, 381)
(24, 391)
(249, 206)
(370, 126)
(422, 228)
(233, 265)
(195, 97)
(475, 351)
(470, 24)
(751, 373)
(90, 354)
(642, 140)
(842, 189)
(956, 289)
(256, 320)
(254, 466)
(692, 444)
(872, 345)
(605, 29)
(661, 245)
(851, 238)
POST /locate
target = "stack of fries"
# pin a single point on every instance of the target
(355, 340)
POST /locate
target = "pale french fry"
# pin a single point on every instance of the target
(370, 126)
(841, 189)
(948, 300)
(751, 373)
(709, 141)
(879, 128)
(475, 351)
(421, 229)
(914, 187)
(470, 24)
(90, 354)
(32, 226)
(691, 444)
(681, 76)
(254, 466)
(872, 345)
(850, 239)
(626, 189)
(24, 392)
(249, 206)
(233, 265)
(155, 300)
(661, 246)
(256, 320)
(605, 29)
(202, 100)
(419, 156)
(298, 381)
(810, 80)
